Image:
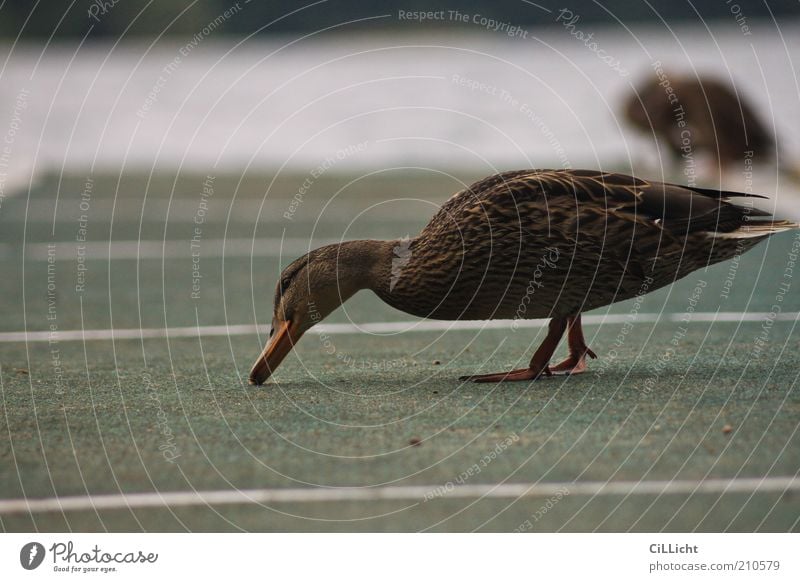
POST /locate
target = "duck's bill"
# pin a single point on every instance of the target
(278, 346)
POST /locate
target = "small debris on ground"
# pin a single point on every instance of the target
(21, 370)
(727, 429)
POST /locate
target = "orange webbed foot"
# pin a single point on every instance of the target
(573, 364)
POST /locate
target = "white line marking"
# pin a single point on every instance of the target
(384, 327)
(396, 493)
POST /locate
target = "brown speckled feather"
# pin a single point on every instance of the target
(552, 243)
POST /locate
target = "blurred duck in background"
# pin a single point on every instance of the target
(703, 118)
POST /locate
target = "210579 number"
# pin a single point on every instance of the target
(757, 565)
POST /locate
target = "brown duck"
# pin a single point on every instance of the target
(716, 120)
(524, 244)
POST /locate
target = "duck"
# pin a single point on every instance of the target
(525, 244)
(700, 115)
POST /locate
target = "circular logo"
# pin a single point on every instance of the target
(31, 555)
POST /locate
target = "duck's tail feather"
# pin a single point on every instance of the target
(757, 228)
(725, 195)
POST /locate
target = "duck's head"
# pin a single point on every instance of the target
(309, 290)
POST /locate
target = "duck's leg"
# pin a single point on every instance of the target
(578, 350)
(538, 365)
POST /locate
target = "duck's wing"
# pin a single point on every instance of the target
(613, 219)
(569, 201)
(638, 220)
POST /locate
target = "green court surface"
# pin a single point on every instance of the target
(688, 420)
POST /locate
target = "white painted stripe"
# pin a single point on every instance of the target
(397, 493)
(385, 327)
(171, 249)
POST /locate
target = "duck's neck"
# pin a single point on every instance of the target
(386, 268)
(368, 263)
